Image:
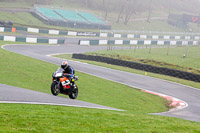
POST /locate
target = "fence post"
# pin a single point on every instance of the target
(150, 49)
(186, 51)
(135, 48)
(168, 50)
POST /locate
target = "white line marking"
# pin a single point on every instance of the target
(2, 46)
(37, 103)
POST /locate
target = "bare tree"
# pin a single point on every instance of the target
(122, 7)
(150, 11)
(105, 9)
(130, 9)
(116, 7)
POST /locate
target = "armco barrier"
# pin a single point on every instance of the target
(7, 29)
(56, 32)
(138, 42)
(31, 39)
(188, 37)
(139, 66)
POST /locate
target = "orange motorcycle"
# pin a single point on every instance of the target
(64, 84)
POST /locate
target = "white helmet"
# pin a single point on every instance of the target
(64, 65)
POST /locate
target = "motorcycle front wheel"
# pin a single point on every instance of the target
(74, 93)
(55, 90)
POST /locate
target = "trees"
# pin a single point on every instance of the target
(130, 7)
(122, 6)
(150, 11)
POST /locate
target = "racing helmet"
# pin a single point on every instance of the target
(64, 65)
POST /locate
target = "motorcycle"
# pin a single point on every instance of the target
(61, 83)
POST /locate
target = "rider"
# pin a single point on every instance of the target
(67, 69)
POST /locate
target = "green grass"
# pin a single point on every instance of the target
(20, 17)
(14, 4)
(38, 118)
(33, 74)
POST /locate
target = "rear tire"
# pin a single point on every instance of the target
(55, 89)
(74, 93)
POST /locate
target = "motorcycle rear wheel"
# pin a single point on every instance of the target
(55, 89)
(74, 93)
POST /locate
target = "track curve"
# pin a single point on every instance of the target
(185, 93)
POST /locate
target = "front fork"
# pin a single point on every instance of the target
(72, 86)
(58, 83)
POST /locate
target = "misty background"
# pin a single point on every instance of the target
(122, 13)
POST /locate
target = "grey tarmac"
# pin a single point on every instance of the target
(10, 94)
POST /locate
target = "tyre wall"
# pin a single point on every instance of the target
(139, 66)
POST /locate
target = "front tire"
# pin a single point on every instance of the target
(74, 93)
(55, 89)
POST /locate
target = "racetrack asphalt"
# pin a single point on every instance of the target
(10, 94)
(188, 94)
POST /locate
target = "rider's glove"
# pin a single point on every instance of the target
(71, 75)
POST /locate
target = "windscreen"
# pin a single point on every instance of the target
(59, 70)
